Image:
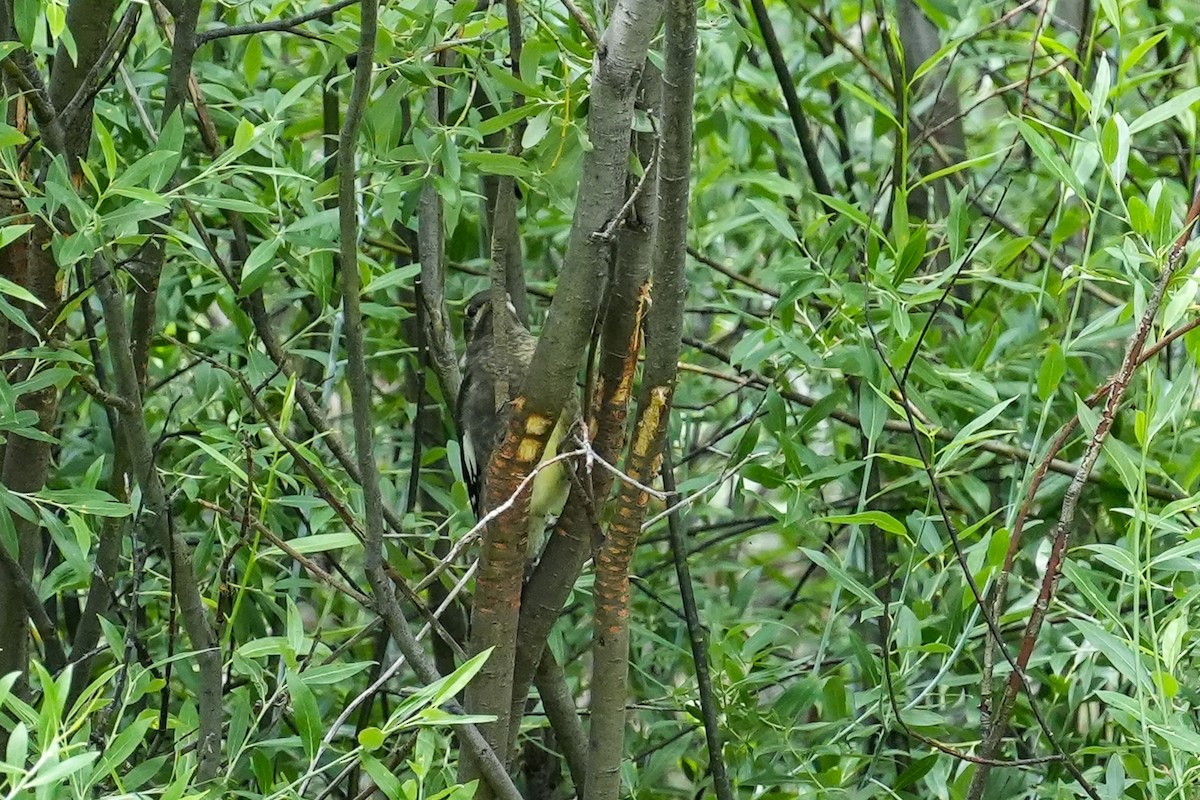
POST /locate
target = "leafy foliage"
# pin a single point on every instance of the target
(873, 382)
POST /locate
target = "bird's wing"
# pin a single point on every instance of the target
(469, 451)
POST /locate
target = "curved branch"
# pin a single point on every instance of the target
(268, 27)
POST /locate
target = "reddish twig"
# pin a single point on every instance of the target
(1113, 391)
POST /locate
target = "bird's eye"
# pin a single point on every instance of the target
(476, 306)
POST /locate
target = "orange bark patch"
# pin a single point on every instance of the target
(651, 421)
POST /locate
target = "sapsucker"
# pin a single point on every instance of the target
(482, 412)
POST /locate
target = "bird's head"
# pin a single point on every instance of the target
(477, 319)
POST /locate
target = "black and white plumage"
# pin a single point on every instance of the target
(481, 415)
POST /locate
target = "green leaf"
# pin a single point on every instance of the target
(1116, 557)
(326, 218)
(851, 212)
(244, 135)
(62, 770)
(536, 130)
(1101, 85)
(1140, 217)
(10, 136)
(1168, 110)
(1044, 151)
(1181, 300)
(20, 292)
(85, 501)
(170, 139)
(1116, 651)
(258, 265)
(456, 681)
(1181, 737)
(294, 94)
(331, 674)
(233, 468)
(1178, 557)
(1051, 372)
(43, 379)
(295, 626)
(108, 148)
(123, 746)
(384, 780)
(911, 255)
(869, 99)
(971, 432)
(26, 14)
(497, 164)
(263, 646)
(1114, 143)
(507, 118)
(879, 519)
(317, 543)
(8, 235)
(1112, 10)
(56, 19)
(775, 217)
(998, 547)
(18, 746)
(1138, 52)
(401, 276)
(306, 714)
(226, 203)
(6, 684)
(150, 171)
(843, 578)
(252, 58)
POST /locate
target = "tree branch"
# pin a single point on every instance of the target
(698, 637)
(360, 395)
(56, 657)
(664, 330)
(560, 350)
(275, 25)
(783, 74)
(620, 344)
(186, 588)
(1061, 535)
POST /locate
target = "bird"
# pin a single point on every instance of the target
(481, 416)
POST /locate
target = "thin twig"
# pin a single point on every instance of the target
(267, 27)
(448, 601)
(585, 24)
(108, 399)
(709, 707)
(1061, 535)
(112, 55)
(311, 566)
(611, 228)
(730, 273)
(20, 68)
(683, 502)
(783, 75)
